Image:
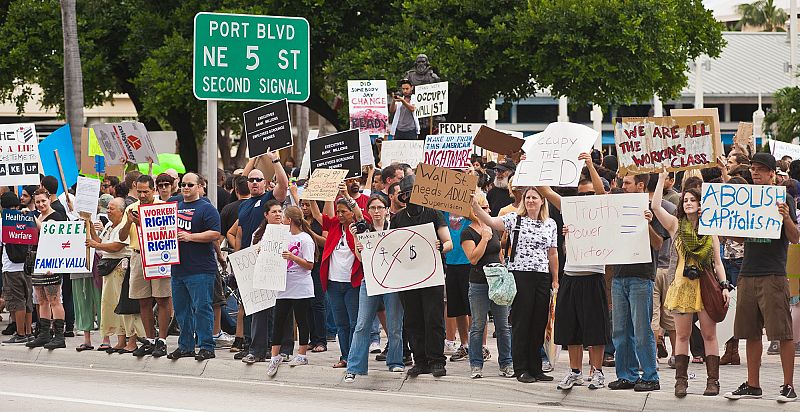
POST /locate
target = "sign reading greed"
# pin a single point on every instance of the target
(62, 248)
(741, 210)
(648, 144)
(19, 228)
(159, 226)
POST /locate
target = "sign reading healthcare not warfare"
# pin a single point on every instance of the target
(741, 210)
(430, 99)
(606, 229)
(19, 228)
(443, 189)
(450, 151)
(368, 106)
(243, 265)
(649, 144)
(268, 128)
(552, 155)
(62, 248)
(159, 234)
(248, 57)
(270, 271)
(401, 259)
(19, 154)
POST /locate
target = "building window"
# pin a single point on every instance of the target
(742, 112)
(536, 113)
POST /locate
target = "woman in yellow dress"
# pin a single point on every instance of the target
(695, 253)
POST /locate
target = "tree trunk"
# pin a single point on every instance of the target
(181, 123)
(73, 77)
(317, 104)
(301, 120)
(224, 143)
(241, 154)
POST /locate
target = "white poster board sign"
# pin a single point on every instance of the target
(87, 195)
(242, 264)
(606, 229)
(741, 210)
(368, 106)
(401, 259)
(452, 151)
(20, 163)
(270, 272)
(402, 151)
(430, 99)
(780, 149)
(365, 142)
(305, 167)
(62, 248)
(125, 142)
(552, 155)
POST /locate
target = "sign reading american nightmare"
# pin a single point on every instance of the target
(337, 151)
(648, 144)
(368, 106)
(450, 151)
(19, 228)
(268, 128)
(19, 154)
(741, 210)
(159, 234)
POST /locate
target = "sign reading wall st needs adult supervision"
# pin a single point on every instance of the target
(268, 128)
(552, 155)
(443, 189)
(19, 155)
(243, 265)
(430, 99)
(452, 150)
(62, 248)
(368, 106)
(606, 229)
(248, 57)
(648, 144)
(337, 151)
(159, 234)
(401, 259)
(741, 210)
(324, 184)
(19, 228)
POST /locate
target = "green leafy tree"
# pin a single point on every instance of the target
(783, 121)
(762, 14)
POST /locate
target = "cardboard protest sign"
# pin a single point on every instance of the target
(337, 151)
(19, 228)
(305, 166)
(270, 270)
(242, 265)
(780, 149)
(324, 184)
(443, 189)
(606, 229)
(552, 155)
(793, 262)
(87, 195)
(126, 142)
(368, 105)
(497, 141)
(402, 151)
(401, 259)
(268, 128)
(451, 151)
(709, 111)
(59, 141)
(159, 234)
(430, 99)
(62, 248)
(741, 210)
(19, 155)
(743, 139)
(649, 144)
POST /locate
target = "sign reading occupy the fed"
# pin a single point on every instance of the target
(741, 210)
(159, 234)
(62, 248)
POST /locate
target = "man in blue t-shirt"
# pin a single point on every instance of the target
(251, 211)
(193, 279)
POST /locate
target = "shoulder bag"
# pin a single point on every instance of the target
(502, 287)
(711, 293)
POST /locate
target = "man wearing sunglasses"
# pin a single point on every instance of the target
(251, 211)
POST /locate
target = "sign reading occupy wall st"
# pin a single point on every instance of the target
(741, 210)
(159, 234)
(451, 151)
(430, 99)
(19, 154)
(368, 106)
(268, 128)
(337, 151)
(62, 248)
(248, 57)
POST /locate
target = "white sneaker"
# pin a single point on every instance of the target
(397, 369)
(449, 347)
(349, 377)
(571, 380)
(272, 368)
(547, 366)
(223, 340)
(298, 360)
(507, 371)
(475, 372)
(598, 380)
(375, 347)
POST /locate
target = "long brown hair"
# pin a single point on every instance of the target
(295, 214)
(680, 213)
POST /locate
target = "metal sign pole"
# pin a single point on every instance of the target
(211, 150)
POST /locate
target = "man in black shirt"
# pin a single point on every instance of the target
(230, 212)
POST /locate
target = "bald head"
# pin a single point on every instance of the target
(256, 182)
(191, 189)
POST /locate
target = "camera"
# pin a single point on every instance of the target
(361, 226)
(692, 272)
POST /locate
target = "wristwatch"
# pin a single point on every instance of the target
(726, 285)
(276, 161)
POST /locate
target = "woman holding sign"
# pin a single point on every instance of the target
(696, 254)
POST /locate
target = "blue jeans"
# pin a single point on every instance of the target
(191, 298)
(732, 268)
(344, 303)
(479, 306)
(359, 350)
(330, 324)
(633, 338)
(375, 329)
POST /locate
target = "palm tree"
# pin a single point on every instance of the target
(762, 14)
(73, 76)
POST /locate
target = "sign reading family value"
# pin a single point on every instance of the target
(254, 58)
(268, 128)
(62, 248)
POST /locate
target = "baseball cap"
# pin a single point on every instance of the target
(507, 164)
(765, 159)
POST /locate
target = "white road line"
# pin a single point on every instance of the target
(315, 388)
(91, 402)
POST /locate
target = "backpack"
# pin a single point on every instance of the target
(16, 253)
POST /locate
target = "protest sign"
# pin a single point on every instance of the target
(305, 166)
(19, 228)
(402, 151)
(606, 230)
(741, 210)
(451, 151)
(708, 111)
(780, 149)
(62, 248)
(270, 271)
(159, 234)
(365, 149)
(60, 141)
(649, 144)
(368, 106)
(337, 151)
(87, 195)
(19, 155)
(126, 142)
(401, 259)
(443, 189)
(324, 184)
(112, 147)
(497, 141)
(793, 262)
(743, 139)
(268, 127)
(460, 128)
(242, 264)
(430, 99)
(552, 155)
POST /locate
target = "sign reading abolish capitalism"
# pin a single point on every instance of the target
(648, 144)
(19, 154)
(19, 228)
(159, 227)
(368, 107)
(62, 248)
(741, 210)
(451, 151)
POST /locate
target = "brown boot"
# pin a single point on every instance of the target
(712, 369)
(681, 375)
(731, 355)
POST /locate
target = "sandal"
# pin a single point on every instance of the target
(697, 359)
(84, 347)
(104, 347)
(340, 364)
(319, 348)
(113, 350)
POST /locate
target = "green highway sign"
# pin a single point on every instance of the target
(252, 58)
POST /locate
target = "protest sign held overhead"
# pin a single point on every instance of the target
(401, 259)
(242, 264)
(337, 151)
(87, 195)
(552, 155)
(159, 234)
(126, 142)
(741, 210)
(497, 141)
(706, 111)
(268, 127)
(780, 149)
(430, 99)
(365, 149)
(402, 151)
(19, 154)
(649, 144)
(743, 139)
(460, 128)
(19, 228)
(270, 270)
(368, 106)
(305, 167)
(60, 141)
(443, 189)
(324, 184)
(605, 230)
(451, 151)
(62, 248)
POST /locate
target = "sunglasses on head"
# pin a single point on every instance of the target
(255, 179)
(187, 184)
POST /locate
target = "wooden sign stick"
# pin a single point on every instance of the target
(88, 225)
(63, 181)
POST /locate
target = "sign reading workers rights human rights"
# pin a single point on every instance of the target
(159, 234)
